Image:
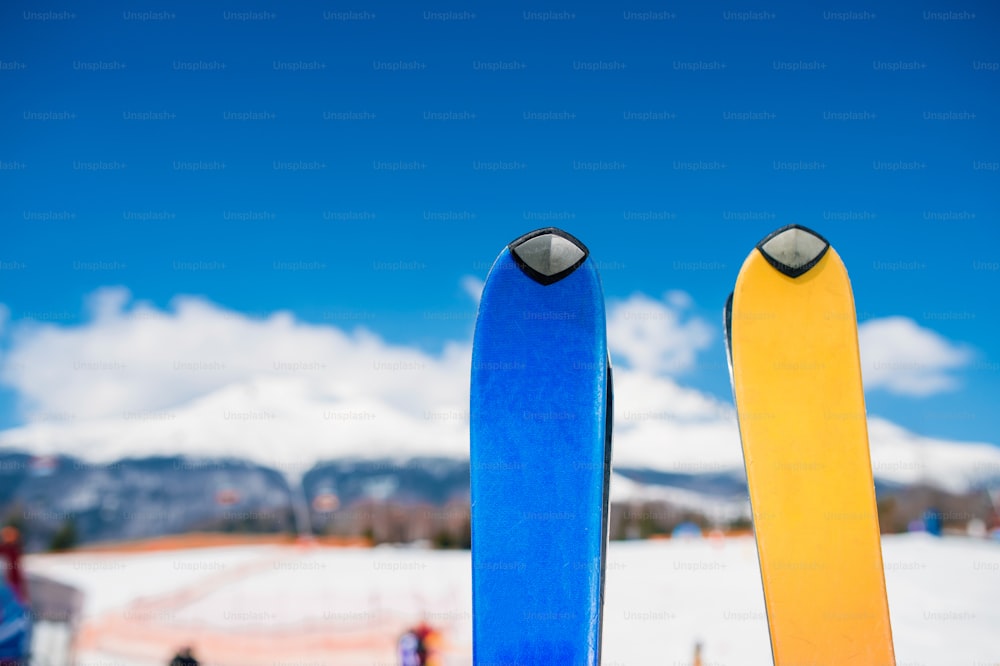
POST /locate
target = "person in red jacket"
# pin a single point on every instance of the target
(10, 561)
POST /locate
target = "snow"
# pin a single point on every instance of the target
(111, 581)
(662, 597)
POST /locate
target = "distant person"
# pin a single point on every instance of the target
(10, 560)
(416, 647)
(184, 658)
(409, 654)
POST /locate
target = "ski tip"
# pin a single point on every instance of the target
(548, 255)
(794, 249)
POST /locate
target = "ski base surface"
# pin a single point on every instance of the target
(792, 335)
(540, 456)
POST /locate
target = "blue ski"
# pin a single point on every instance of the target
(540, 455)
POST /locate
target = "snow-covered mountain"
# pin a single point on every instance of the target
(267, 423)
(274, 421)
(147, 497)
(202, 382)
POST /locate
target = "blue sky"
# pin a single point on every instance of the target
(352, 164)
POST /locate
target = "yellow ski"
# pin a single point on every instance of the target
(796, 374)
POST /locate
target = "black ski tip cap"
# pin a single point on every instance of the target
(794, 249)
(548, 255)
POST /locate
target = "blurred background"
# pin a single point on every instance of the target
(242, 249)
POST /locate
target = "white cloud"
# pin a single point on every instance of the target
(107, 302)
(203, 380)
(473, 287)
(200, 380)
(679, 300)
(656, 336)
(905, 457)
(901, 357)
(197, 379)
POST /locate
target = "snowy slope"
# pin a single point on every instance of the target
(661, 598)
